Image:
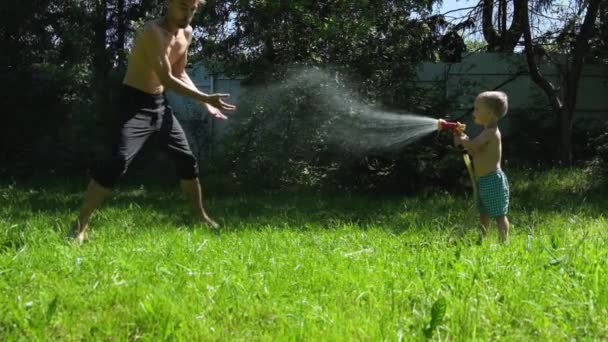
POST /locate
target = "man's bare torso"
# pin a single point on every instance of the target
(487, 158)
(140, 72)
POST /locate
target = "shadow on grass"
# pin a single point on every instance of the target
(554, 193)
(295, 210)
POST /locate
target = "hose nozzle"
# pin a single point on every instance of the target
(454, 127)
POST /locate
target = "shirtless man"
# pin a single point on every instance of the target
(157, 62)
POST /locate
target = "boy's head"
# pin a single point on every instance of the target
(490, 106)
(181, 12)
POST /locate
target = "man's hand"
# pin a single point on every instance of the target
(216, 100)
(213, 111)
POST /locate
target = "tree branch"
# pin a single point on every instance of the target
(461, 9)
(488, 29)
(507, 81)
(535, 73)
(580, 50)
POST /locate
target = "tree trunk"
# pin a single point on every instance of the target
(503, 18)
(564, 105)
(505, 40)
(101, 63)
(121, 31)
(566, 122)
(489, 33)
(573, 77)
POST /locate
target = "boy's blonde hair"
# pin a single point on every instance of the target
(497, 102)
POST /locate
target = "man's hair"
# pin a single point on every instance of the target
(497, 102)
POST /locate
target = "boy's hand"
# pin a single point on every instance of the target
(459, 138)
(213, 111)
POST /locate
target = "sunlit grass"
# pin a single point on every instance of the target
(303, 266)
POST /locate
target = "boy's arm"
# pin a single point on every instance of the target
(474, 145)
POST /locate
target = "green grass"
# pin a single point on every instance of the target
(305, 266)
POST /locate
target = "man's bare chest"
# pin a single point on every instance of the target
(176, 47)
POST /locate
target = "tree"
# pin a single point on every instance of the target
(575, 37)
(373, 44)
(499, 21)
(502, 38)
(563, 96)
(380, 41)
(57, 56)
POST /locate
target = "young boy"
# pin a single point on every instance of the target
(486, 150)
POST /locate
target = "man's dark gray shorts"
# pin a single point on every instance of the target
(142, 116)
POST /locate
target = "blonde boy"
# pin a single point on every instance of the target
(486, 150)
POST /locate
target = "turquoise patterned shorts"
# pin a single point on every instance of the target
(494, 194)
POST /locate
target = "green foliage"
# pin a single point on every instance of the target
(437, 314)
(599, 45)
(533, 139)
(58, 58)
(63, 61)
(284, 136)
(377, 40)
(279, 139)
(372, 37)
(598, 166)
(41, 101)
(571, 17)
(476, 45)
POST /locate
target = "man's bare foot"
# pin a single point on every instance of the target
(79, 232)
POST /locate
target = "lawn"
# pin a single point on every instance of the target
(305, 266)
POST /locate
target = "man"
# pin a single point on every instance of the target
(157, 62)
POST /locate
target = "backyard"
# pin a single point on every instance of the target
(306, 266)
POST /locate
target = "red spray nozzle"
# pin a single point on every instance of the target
(454, 127)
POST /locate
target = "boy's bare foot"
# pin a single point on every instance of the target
(79, 232)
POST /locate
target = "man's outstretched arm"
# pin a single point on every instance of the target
(162, 67)
(179, 71)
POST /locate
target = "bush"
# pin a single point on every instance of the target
(597, 166)
(285, 136)
(40, 100)
(58, 120)
(530, 138)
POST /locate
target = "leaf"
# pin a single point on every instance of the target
(437, 314)
(52, 308)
